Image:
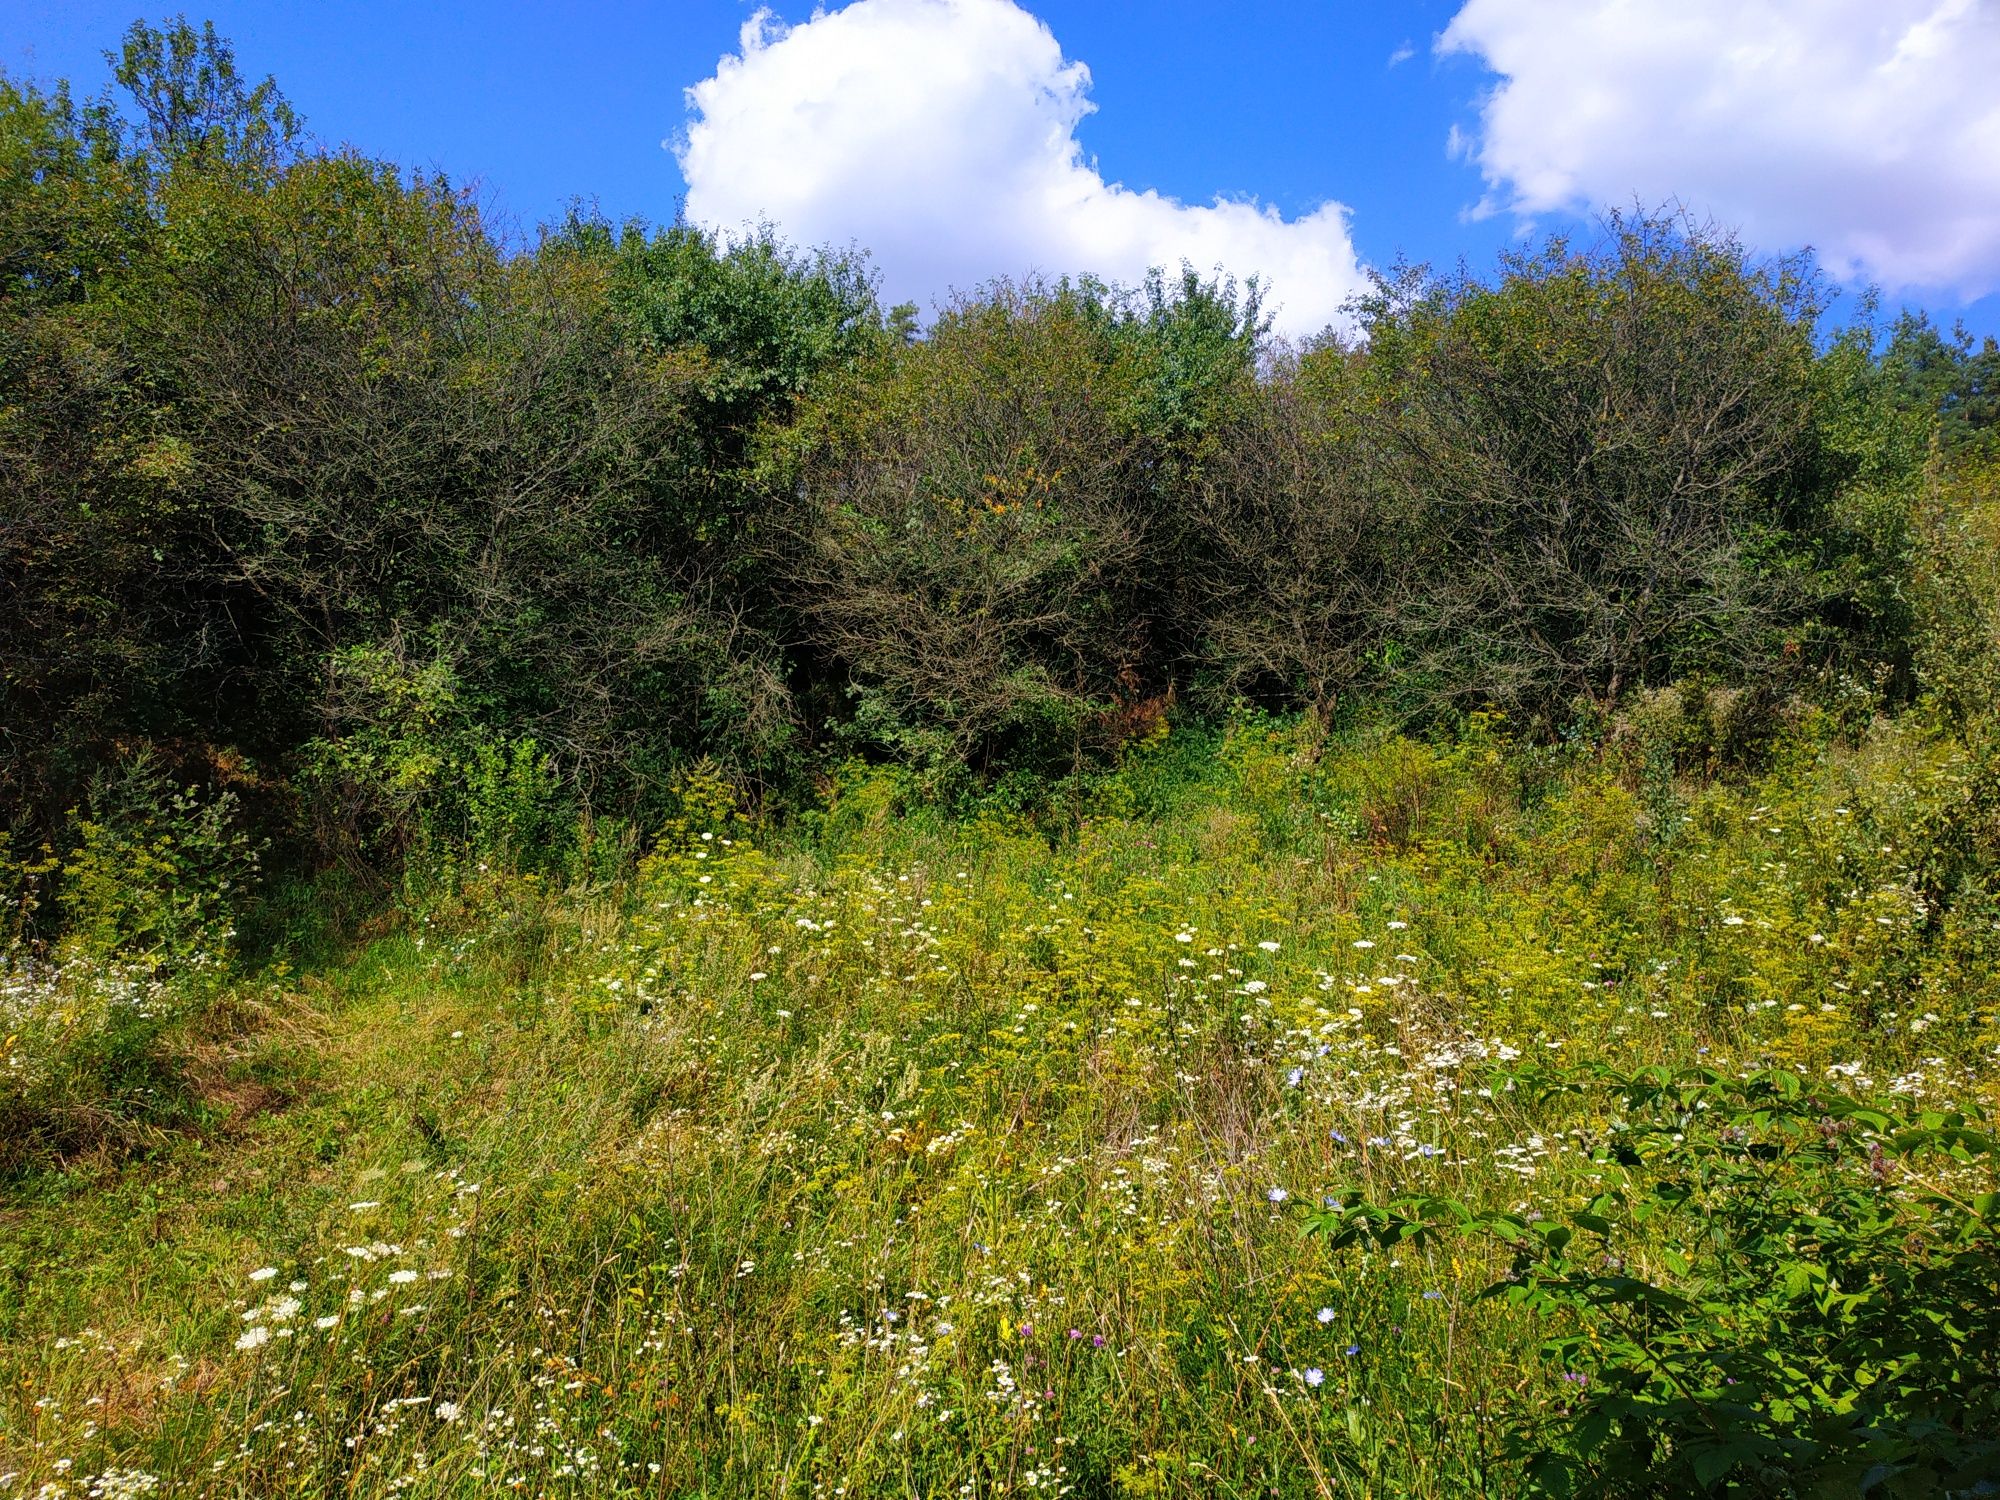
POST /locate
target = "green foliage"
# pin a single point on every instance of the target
(69, 206)
(1955, 595)
(1777, 1290)
(25, 878)
(158, 872)
(1945, 378)
(194, 107)
(972, 531)
(149, 885)
(417, 780)
(764, 322)
(1194, 345)
(1600, 469)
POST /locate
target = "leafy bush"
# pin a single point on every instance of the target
(416, 781)
(1599, 462)
(973, 535)
(1957, 594)
(24, 881)
(1777, 1291)
(159, 873)
(1290, 552)
(150, 887)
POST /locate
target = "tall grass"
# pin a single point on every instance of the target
(897, 1153)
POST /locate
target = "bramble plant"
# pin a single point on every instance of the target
(1777, 1290)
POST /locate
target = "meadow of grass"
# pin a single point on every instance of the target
(886, 1152)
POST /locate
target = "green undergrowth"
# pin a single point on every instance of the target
(1190, 1141)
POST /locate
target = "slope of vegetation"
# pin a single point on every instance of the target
(621, 876)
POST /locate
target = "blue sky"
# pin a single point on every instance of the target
(1525, 114)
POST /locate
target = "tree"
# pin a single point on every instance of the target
(194, 105)
(969, 533)
(1601, 460)
(1946, 378)
(1289, 554)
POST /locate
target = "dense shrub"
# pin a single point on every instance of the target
(974, 534)
(304, 465)
(157, 872)
(1601, 463)
(1777, 1291)
(1291, 558)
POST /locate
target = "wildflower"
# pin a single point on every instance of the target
(1432, 1296)
(1269, 947)
(1292, 1078)
(1097, 1341)
(401, 1278)
(1351, 1350)
(1183, 937)
(254, 1338)
(1363, 943)
(1315, 1376)
(447, 1411)
(1398, 926)
(1076, 1333)
(1337, 1138)
(264, 1273)
(1276, 1194)
(326, 1322)
(758, 975)
(1325, 1315)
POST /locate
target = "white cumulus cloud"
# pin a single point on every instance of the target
(1869, 129)
(940, 135)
